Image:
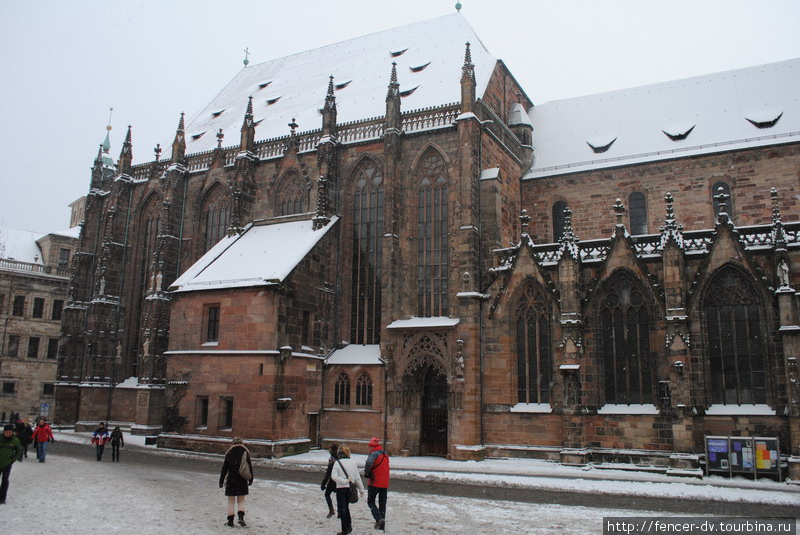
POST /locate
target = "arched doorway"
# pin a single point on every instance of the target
(433, 418)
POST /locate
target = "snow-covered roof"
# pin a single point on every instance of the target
(20, 245)
(263, 255)
(429, 56)
(73, 232)
(731, 110)
(356, 354)
(423, 323)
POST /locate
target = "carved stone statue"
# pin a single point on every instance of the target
(783, 273)
(159, 279)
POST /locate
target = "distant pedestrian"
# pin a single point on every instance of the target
(100, 438)
(328, 484)
(377, 471)
(117, 442)
(345, 472)
(41, 436)
(236, 486)
(24, 432)
(10, 451)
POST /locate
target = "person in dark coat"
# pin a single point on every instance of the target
(328, 484)
(10, 451)
(117, 442)
(377, 471)
(24, 433)
(236, 487)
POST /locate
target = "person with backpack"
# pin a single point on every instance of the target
(239, 471)
(100, 438)
(376, 470)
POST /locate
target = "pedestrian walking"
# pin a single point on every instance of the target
(328, 484)
(238, 468)
(41, 436)
(117, 442)
(10, 451)
(377, 471)
(24, 432)
(345, 472)
(100, 438)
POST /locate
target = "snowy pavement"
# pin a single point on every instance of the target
(69, 495)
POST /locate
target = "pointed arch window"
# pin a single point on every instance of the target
(148, 241)
(534, 354)
(432, 239)
(216, 217)
(341, 390)
(293, 199)
(364, 390)
(365, 307)
(736, 343)
(625, 327)
(559, 220)
(638, 213)
(726, 189)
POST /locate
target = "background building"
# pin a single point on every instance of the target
(436, 261)
(34, 276)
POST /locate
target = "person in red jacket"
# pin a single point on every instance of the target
(377, 472)
(41, 436)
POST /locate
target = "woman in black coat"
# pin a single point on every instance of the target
(236, 487)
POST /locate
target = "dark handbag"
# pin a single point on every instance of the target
(353, 494)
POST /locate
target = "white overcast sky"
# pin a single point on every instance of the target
(63, 64)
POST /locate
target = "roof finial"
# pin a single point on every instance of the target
(458, 6)
(220, 137)
(619, 211)
(330, 86)
(246, 54)
(394, 87)
(107, 141)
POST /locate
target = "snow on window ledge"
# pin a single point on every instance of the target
(210, 344)
(543, 408)
(636, 408)
(760, 409)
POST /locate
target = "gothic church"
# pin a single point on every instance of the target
(385, 237)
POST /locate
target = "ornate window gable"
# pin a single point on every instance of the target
(534, 346)
(292, 196)
(736, 345)
(216, 217)
(432, 237)
(367, 242)
(624, 327)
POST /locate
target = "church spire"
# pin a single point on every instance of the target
(329, 111)
(179, 143)
(126, 154)
(467, 82)
(248, 128)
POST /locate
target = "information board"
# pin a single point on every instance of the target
(767, 456)
(717, 457)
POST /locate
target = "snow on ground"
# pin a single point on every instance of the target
(537, 474)
(75, 496)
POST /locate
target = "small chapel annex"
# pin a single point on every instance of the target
(385, 237)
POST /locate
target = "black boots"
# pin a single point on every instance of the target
(241, 519)
(331, 512)
(230, 521)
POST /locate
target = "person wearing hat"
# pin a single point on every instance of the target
(10, 450)
(377, 471)
(236, 487)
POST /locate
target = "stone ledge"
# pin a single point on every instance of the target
(211, 444)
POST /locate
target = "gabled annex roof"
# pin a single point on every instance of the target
(263, 255)
(429, 56)
(355, 354)
(726, 111)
